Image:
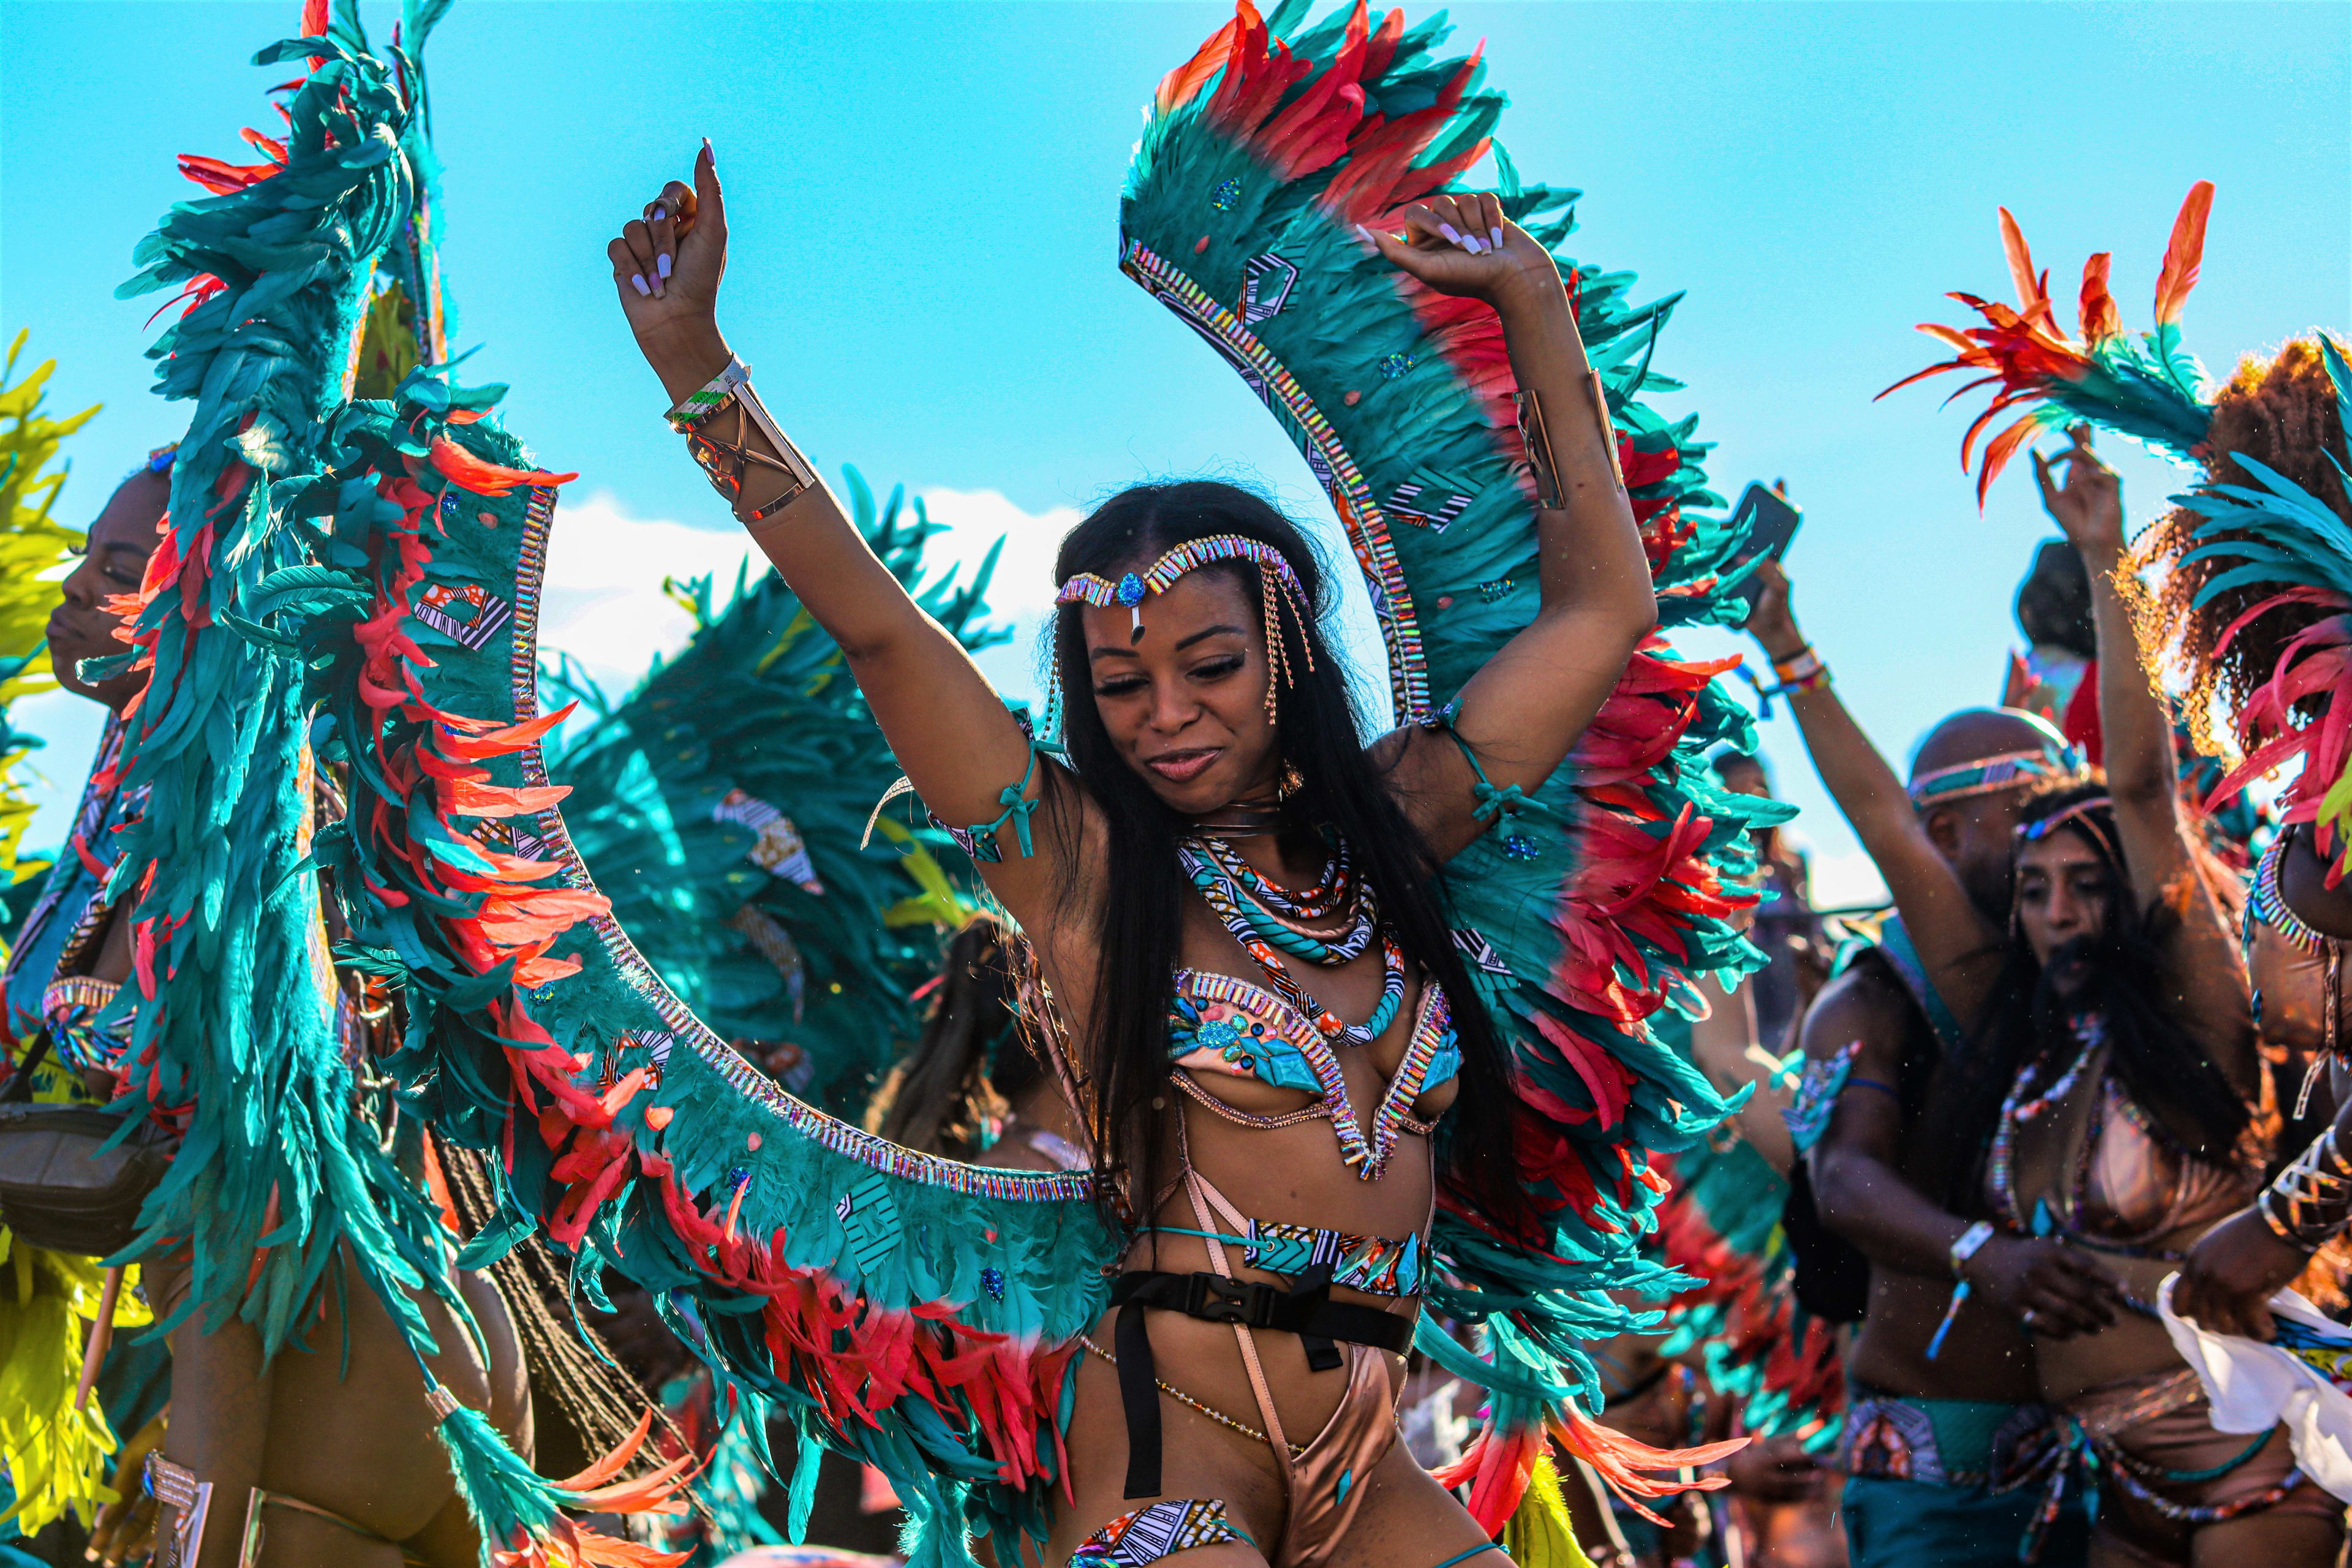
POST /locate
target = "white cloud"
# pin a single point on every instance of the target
(1847, 881)
(1022, 591)
(603, 602)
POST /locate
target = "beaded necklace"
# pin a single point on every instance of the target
(1242, 907)
(1219, 891)
(1330, 895)
(2091, 1030)
(2016, 1110)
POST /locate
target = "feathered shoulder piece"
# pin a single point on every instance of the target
(2274, 543)
(1589, 912)
(2146, 387)
(722, 805)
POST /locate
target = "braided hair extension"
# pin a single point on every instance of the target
(2282, 413)
(567, 1360)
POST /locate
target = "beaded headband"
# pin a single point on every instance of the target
(2084, 814)
(2055, 759)
(1277, 584)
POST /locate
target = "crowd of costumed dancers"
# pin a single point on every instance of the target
(811, 1110)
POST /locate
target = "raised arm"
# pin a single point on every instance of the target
(2207, 972)
(1957, 944)
(1526, 707)
(950, 730)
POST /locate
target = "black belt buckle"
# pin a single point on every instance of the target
(1214, 1298)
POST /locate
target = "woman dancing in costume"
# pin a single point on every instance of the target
(340, 1457)
(186, 943)
(930, 1317)
(1212, 761)
(2108, 1102)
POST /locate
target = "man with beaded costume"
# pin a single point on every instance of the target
(1939, 1399)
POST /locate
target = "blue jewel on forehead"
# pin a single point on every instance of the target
(1130, 594)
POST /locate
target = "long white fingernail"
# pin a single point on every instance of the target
(1452, 235)
(1368, 237)
(1475, 246)
(1497, 232)
(639, 279)
(661, 264)
(656, 214)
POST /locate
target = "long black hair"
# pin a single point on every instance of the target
(2126, 980)
(971, 1063)
(1124, 1057)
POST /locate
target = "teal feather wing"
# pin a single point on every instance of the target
(239, 1040)
(723, 808)
(1595, 905)
(914, 1311)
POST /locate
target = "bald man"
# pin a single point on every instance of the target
(1943, 1396)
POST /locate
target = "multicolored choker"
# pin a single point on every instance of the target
(1239, 819)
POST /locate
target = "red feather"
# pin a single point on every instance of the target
(2100, 319)
(2184, 253)
(2021, 260)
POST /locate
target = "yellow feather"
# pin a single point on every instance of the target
(1538, 1534)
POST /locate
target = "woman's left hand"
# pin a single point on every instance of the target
(2226, 1284)
(2089, 507)
(1461, 243)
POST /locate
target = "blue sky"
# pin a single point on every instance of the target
(924, 203)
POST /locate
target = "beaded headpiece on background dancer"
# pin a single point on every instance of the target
(2054, 761)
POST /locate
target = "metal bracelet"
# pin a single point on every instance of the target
(1536, 438)
(176, 1488)
(1599, 391)
(1535, 434)
(722, 446)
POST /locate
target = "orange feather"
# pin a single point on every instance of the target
(2184, 253)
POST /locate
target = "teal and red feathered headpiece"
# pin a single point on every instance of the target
(2144, 387)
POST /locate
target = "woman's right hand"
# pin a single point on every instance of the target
(1773, 623)
(666, 266)
(2228, 1277)
(2055, 1292)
